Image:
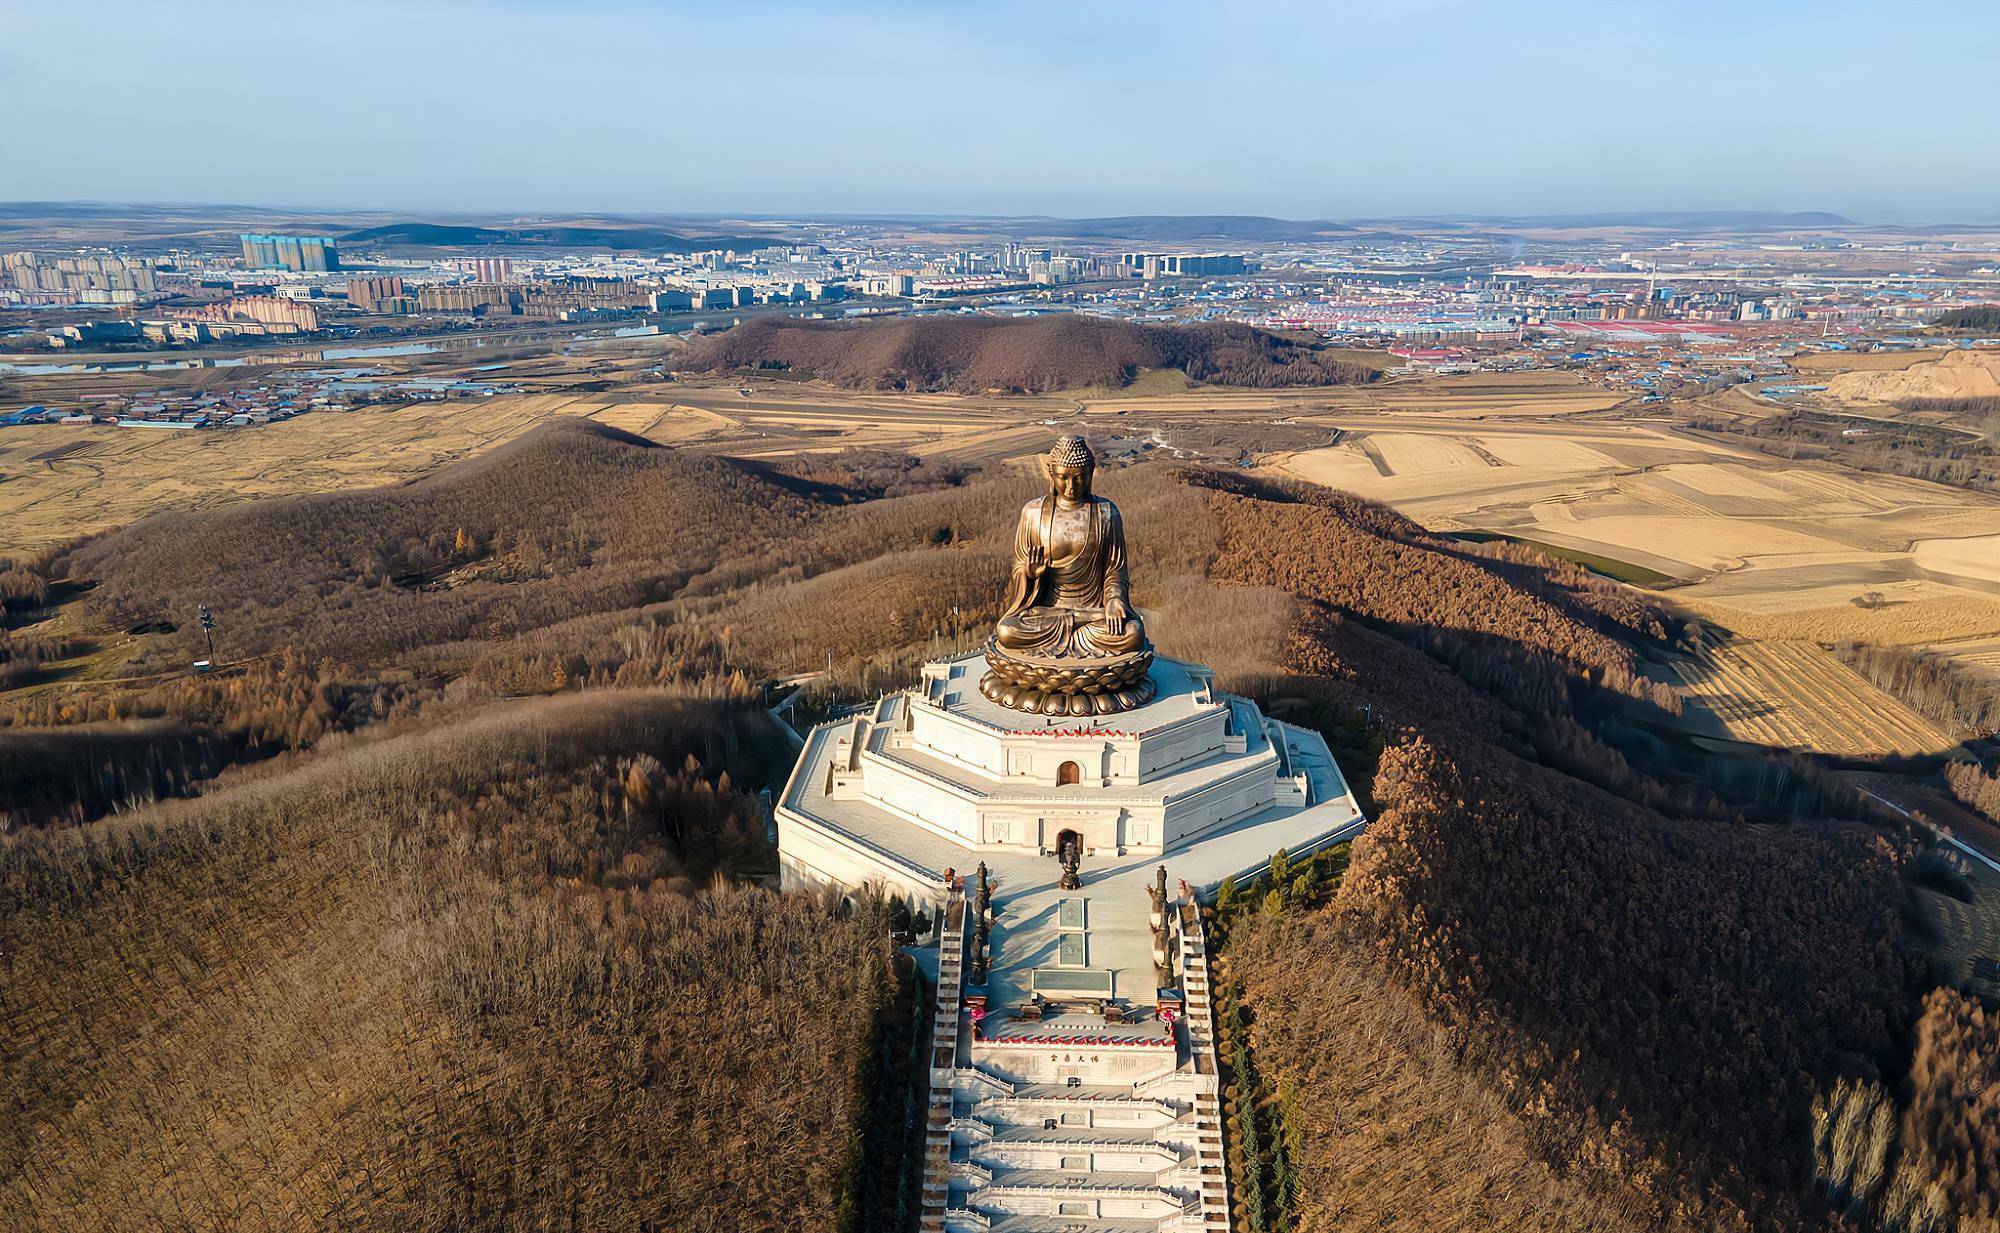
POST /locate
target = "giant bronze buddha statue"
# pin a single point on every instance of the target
(1068, 642)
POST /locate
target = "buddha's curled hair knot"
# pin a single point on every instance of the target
(1071, 451)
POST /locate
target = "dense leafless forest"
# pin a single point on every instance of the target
(1034, 355)
(54, 775)
(471, 977)
(1966, 459)
(1975, 787)
(1657, 996)
(1665, 991)
(1935, 1163)
(1963, 701)
(572, 519)
(1977, 317)
(1396, 1131)
(469, 952)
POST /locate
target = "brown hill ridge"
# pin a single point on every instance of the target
(462, 978)
(573, 517)
(971, 355)
(463, 975)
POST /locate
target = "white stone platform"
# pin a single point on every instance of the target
(1071, 1121)
(938, 778)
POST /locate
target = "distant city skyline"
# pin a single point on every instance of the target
(1291, 110)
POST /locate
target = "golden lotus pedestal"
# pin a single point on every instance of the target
(1067, 684)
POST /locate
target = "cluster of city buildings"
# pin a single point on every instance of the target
(1507, 306)
(282, 284)
(31, 279)
(290, 314)
(189, 409)
(252, 404)
(1452, 304)
(236, 317)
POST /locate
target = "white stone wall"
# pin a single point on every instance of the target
(955, 738)
(1092, 1064)
(811, 856)
(1055, 1154)
(1188, 741)
(1115, 761)
(1039, 760)
(1249, 791)
(1017, 756)
(1102, 827)
(910, 793)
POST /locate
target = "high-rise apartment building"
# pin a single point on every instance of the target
(268, 310)
(300, 254)
(487, 269)
(366, 293)
(1176, 265)
(85, 278)
(468, 298)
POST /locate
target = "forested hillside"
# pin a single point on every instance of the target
(573, 518)
(466, 955)
(1977, 317)
(467, 978)
(1032, 355)
(1656, 1000)
(1670, 993)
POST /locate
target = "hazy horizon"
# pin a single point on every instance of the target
(1290, 111)
(433, 213)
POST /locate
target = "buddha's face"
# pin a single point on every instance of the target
(1071, 484)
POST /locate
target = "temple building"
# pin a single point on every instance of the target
(1058, 803)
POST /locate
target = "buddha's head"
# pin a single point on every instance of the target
(1070, 467)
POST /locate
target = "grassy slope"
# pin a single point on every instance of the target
(1597, 563)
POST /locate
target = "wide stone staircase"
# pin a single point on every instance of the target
(1041, 1156)
(1213, 1210)
(1011, 1156)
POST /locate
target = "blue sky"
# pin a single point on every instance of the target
(1333, 109)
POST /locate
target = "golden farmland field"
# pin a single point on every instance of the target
(1473, 396)
(1789, 557)
(1956, 374)
(1741, 531)
(1792, 694)
(58, 482)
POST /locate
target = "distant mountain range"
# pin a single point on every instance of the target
(1176, 228)
(620, 239)
(1695, 220)
(178, 222)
